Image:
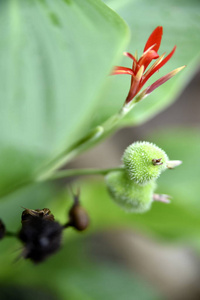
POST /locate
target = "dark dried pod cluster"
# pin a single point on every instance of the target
(41, 235)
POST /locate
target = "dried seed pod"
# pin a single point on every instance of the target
(44, 213)
(144, 162)
(40, 234)
(131, 196)
(78, 217)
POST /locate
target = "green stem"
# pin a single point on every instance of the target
(78, 172)
(11, 234)
(67, 155)
(93, 138)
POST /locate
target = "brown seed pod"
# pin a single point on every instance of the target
(78, 217)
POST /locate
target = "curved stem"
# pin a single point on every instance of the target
(78, 172)
(94, 137)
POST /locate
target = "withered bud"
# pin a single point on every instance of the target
(78, 217)
(171, 164)
(157, 161)
(162, 198)
(2, 230)
(44, 213)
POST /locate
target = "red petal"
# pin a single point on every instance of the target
(133, 91)
(130, 56)
(134, 65)
(155, 38)
(146, 59)
(135, 85)
(162, 80)
(160, 65)
(122, 70)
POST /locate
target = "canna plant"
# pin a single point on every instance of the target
(132, 185)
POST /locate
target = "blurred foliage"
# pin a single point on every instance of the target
(74, 275)
(178, 220)
(54, 58)
(70, 274)
(55, 61)
(14, 292)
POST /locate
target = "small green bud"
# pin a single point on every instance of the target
(131, 196)
(144, 162)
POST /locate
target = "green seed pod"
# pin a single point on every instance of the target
(131, 196)
(144, 162)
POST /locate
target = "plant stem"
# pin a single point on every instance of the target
(11, 234)
(94, 137)
(78, 172)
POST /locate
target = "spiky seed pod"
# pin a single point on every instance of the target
(144, 162)
(131, 196)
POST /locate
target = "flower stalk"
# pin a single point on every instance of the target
(79, 172)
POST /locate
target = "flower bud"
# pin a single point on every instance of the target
(144, 162)
(131, 196)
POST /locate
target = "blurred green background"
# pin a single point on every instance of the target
(54, 88)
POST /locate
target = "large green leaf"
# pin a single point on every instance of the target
(54, 58)
(181, 23)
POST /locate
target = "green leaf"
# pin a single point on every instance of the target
(181, 23)
(55, 57)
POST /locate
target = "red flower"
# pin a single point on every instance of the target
(139, 73)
